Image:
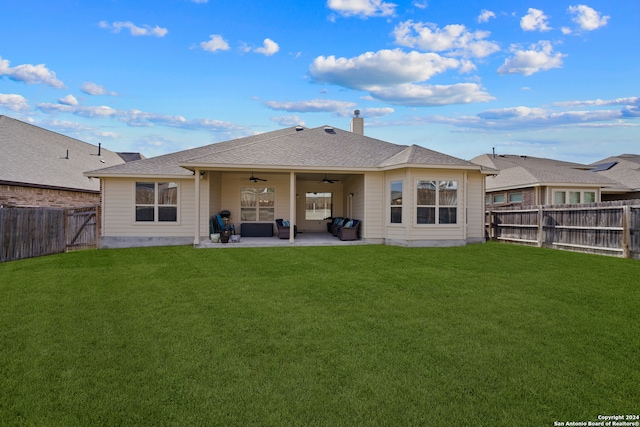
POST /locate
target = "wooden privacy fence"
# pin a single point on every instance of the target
(611, 228)
(32, 232)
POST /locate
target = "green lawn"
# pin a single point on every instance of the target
(484, 335)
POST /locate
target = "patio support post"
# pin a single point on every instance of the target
(196, 237)
(292, 204)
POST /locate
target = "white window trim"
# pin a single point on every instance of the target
(437, 206)
(513, 194)
(574, 190)
(401, 206)
(155, 204)
(275, 203)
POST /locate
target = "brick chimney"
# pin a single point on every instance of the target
(357, 123)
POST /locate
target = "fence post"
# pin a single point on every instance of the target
(626, 231)
(492, 231)
(540, 227)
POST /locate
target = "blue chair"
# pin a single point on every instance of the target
(219, 225)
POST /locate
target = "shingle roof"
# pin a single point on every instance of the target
(523, 171)
(296, 147)
(36, 156)
(626, 170)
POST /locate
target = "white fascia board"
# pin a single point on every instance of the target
(140, 176)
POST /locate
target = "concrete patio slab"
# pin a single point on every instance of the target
(302, 239)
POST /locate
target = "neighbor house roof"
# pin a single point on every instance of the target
(525, 171)
(624, 169)
(33, 156)
(318, 148)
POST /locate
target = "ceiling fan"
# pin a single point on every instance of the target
(255, 178)
(326, 180)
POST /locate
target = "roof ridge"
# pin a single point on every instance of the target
(236, 142)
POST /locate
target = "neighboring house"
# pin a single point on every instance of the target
(403, 195)
(529, 181)
(625, 170)
(43, 168)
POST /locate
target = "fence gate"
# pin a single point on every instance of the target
(80, 228)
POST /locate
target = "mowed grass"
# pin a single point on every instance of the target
(491, 334)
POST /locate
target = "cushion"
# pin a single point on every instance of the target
(286, 223)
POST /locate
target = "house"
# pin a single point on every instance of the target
(529, 181)
(43, 168)
(403, 195)
(625, 170)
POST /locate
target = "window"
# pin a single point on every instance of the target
(574, 197)
(318, 206)
(559, 198)
(589, 197)
(257, 204)
(396, 202)
(562, 197)
(515, 198)
(437, 202)
(156, 201)
(498, 198)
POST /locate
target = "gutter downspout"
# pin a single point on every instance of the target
(196, 237)
(292, 205)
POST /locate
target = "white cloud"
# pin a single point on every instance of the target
(138, 118)
(587, 18)
(377, 112)
(521, 118)
(420, 5)
(362, 8)
(288, 121)
(269, 48)
(394, 76)
(30, 74)
(215, 43)
(382, 68)
(13, 102)
(312, 106)
(455, 38)
(566, 30)
(95, 89)
(79, 110)
(539, 57)
(535, 19)
(134, 30)
(68, 100)
(368, 112)
(632, 100)
(431, 95)
(485, 15)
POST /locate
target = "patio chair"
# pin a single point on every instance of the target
(219, 225)
(335, 228)
(349, 231)
(284, 229)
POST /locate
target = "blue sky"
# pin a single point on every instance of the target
(548, 78)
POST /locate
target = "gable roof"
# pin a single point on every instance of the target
(34, 156)
(524, 171)
(624, 169)
(321, 148)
